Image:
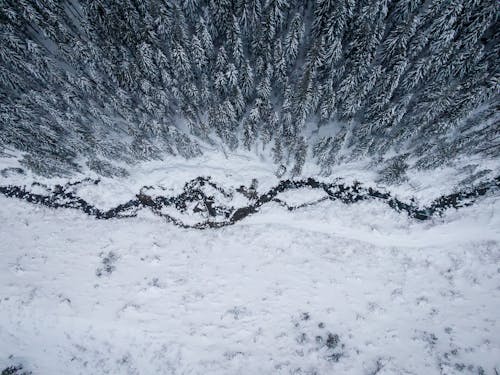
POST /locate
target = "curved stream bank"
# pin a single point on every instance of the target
(217, 214)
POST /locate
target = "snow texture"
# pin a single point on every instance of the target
(331, 288)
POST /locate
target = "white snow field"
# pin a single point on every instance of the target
(325, 289)
(329, 289)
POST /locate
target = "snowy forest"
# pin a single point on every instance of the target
(241, 187)
(404, 83)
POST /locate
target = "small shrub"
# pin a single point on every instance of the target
(15, 370)
(108, 264)
(395, 171)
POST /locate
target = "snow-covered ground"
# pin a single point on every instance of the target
(328, 289)
(240, 168)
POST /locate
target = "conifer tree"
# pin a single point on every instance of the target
(411, 77)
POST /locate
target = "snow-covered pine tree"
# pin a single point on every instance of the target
(402, 76)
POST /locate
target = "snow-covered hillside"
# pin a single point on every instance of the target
(329, 289)
(409, 84)
(305, 187)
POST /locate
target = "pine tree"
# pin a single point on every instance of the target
(407, 76)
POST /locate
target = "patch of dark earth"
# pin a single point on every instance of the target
(201, 195)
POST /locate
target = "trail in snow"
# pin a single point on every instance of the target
(325, 288)
(343, 294)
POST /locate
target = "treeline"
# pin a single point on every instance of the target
(339, 79)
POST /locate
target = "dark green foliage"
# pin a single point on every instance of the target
(49, 165)
(106, 169)
(395, 171)
(131, 80)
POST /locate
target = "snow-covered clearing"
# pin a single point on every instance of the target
(329, 289)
